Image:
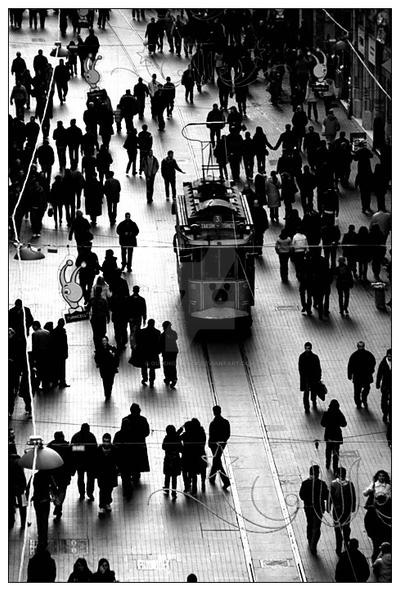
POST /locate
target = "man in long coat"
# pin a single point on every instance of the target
(137, 429)
(148, 344)
(310, 375)
(360, 370)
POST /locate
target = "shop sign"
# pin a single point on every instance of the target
(371, 50)
(361, 40)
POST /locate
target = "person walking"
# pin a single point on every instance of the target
(333, 419)
(62, 475)
(93, 192)
(150, 169)
(99, 316)
(342, 502)
(360, 370)
(127, 231)
(112, 190)
(273, 196)
(299, 122)
(310, 375)
(219, 432)
(145, 142)
(61, 77)
(131, 146)
(352, 566)
(74, 140)
(106, 358)
(169, 352)
(137, 429)
(349, 249)
(260, 224)
(147, 346)
(215, 122)
(60, 135)
(344, 283)
(118, 302)
(80, 228)
(169, 96)
(151, 35)
(314, 494)
(364, 178)
(172, 465)
(106, 473)
(41, 567)
(187, 81)
(89, 268)
(43, 488)
(199, 455)
(363, 253)
(45, 156)
(140, 92)
(41, 351)
(60, 349)
(136, 311)
(20, 97)
(331, 126)
(84, 446)
(169, 166)
(283, 247)
(384, 383)
(129, 108)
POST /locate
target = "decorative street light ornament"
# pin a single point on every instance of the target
(320, 71)
(90, 74)
(72, 293)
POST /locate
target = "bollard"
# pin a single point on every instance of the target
(379, 288)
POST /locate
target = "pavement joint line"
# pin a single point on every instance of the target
(274, 472)
(235, 495)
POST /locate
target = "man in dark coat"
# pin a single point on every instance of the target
(92, 44)
(45, 156)
(107, 361)
(129, 108)
(140, 91)
(145, 142)
(169, 166)
(137, 431)
(93, 192)
(364, 178)
(321, 285)
(314, 494)
(260, 222)
(88, 271)
(112, 190)
(74, 139)
(360, 370)
(17, 316)
(118, 306)
(80, 228)
(136, 312)
(384, 382)
(352, 566)
(218, 434)
(215, 122)
(127, 231)
(61, 475)
(310, 375)
(60, 136)
(332, 420)
(40, 353)
(60, 346)
(187, 81)
(169, 352)
(152, 36)
(18, 66)
(41, 567)
(61, 77)
(106, 473)
(84, 446)
(148, 346)
(342, 501)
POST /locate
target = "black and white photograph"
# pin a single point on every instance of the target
(199, 294)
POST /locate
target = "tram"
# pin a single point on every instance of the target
(214, 247)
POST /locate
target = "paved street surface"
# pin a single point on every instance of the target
(255, 531)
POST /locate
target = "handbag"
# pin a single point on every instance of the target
(50, 212)
(321, 390)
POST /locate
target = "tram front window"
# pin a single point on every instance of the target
(218, 263)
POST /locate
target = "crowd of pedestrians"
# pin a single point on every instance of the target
(315, 166)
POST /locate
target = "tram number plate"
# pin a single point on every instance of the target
(226, 225)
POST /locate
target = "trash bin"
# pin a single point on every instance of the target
(379, 289)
